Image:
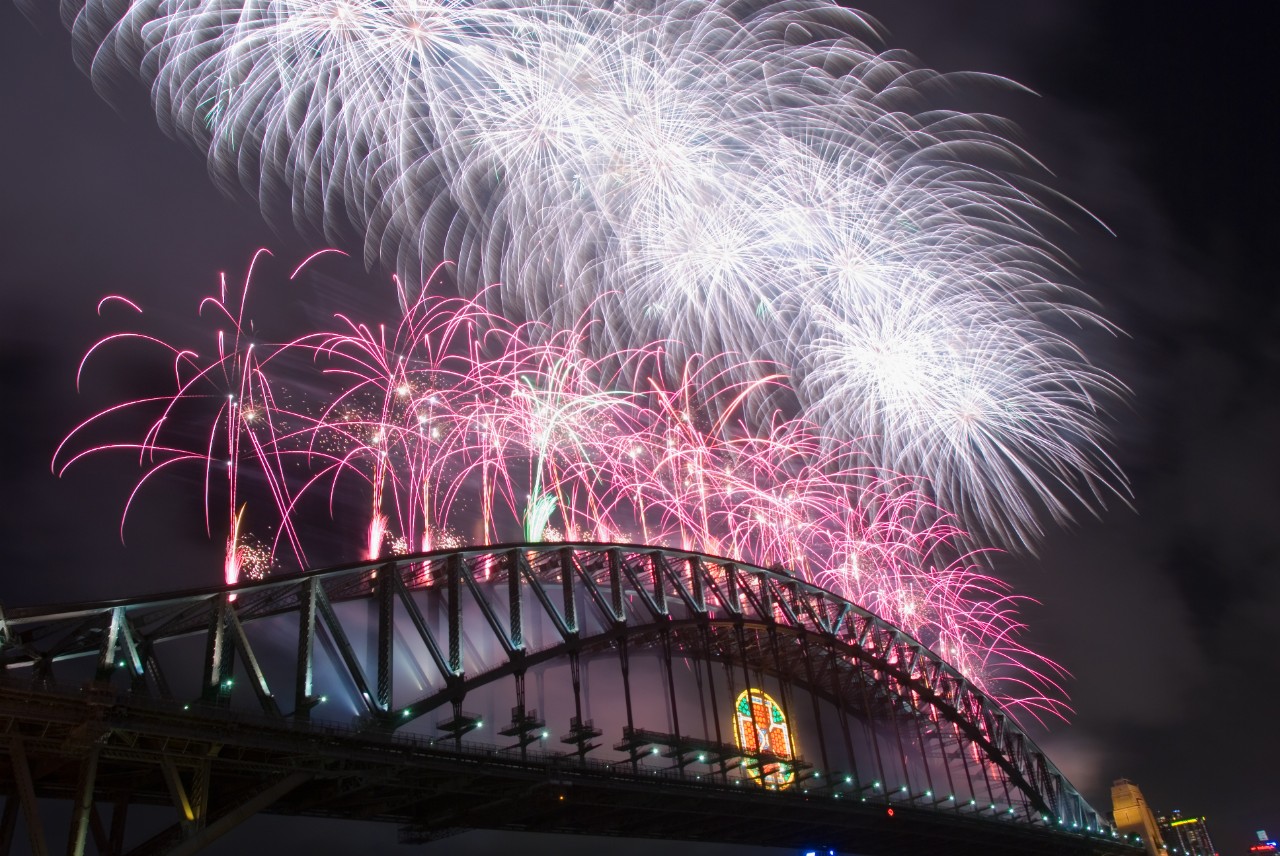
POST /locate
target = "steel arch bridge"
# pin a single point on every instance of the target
(608, 689)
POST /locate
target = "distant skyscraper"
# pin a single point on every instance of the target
(1186, 835)
(1134, 816)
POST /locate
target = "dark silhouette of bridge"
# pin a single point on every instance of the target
(603, 689)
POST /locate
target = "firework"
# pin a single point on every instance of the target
(228, 393)
(457, 421)
(746, 179)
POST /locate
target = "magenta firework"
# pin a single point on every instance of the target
(457, 427)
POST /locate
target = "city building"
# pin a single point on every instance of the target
(1185, 836)
(1265, 846)
(1134, 817)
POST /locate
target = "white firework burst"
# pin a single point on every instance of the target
(741, 177)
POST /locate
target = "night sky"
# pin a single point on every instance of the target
(1162, 126)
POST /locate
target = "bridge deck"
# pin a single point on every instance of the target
(218, 767)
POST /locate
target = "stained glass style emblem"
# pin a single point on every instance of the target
(761, 729)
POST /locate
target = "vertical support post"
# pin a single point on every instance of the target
(304, 685)
(740, 634)
(83, 806)
(843, 716)
(817, 708)
(671, 687)
(575, 672)
(211, 689)
(860, 677)
(386, 634)
(513, 600)
(1004, 777)
(107, 657)
(981, 753)
(624, 659)
(27, 793)
(924, 756)
(695, 584)
(986, 778)
(453, 582)
(711, 688)
(200, 794)
(755, 768)
(939, 734)
(521, 717)
(784, 684)
(729, 681)
(964, 764)
(894, 703)
(659, 587)
(615, 585)
(566, 584)
(731, 586)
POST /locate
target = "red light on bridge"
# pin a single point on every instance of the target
(889, 812)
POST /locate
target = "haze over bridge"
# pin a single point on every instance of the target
(608, 689)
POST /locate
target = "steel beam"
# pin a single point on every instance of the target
(257, 679)
(424, 632)
(177, 793)
(107, 659)
(101, 839)
(486, 609)
(386, 586)
(453, 585)
(346, 653)
(27, 794)
(82, 808)
(567, 589)
(212, 689)
(304, 684)
(540, 593)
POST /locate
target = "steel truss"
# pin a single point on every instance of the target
(170, 700)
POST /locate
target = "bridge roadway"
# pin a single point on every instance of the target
(217, 767)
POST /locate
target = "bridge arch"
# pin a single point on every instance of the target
(622, 657)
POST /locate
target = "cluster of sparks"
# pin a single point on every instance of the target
(458, 428)
(731, 177)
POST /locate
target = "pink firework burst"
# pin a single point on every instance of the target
(458, 427)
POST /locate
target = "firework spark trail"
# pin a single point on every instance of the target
(231, 397)
(458, 417)
(746, 178)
